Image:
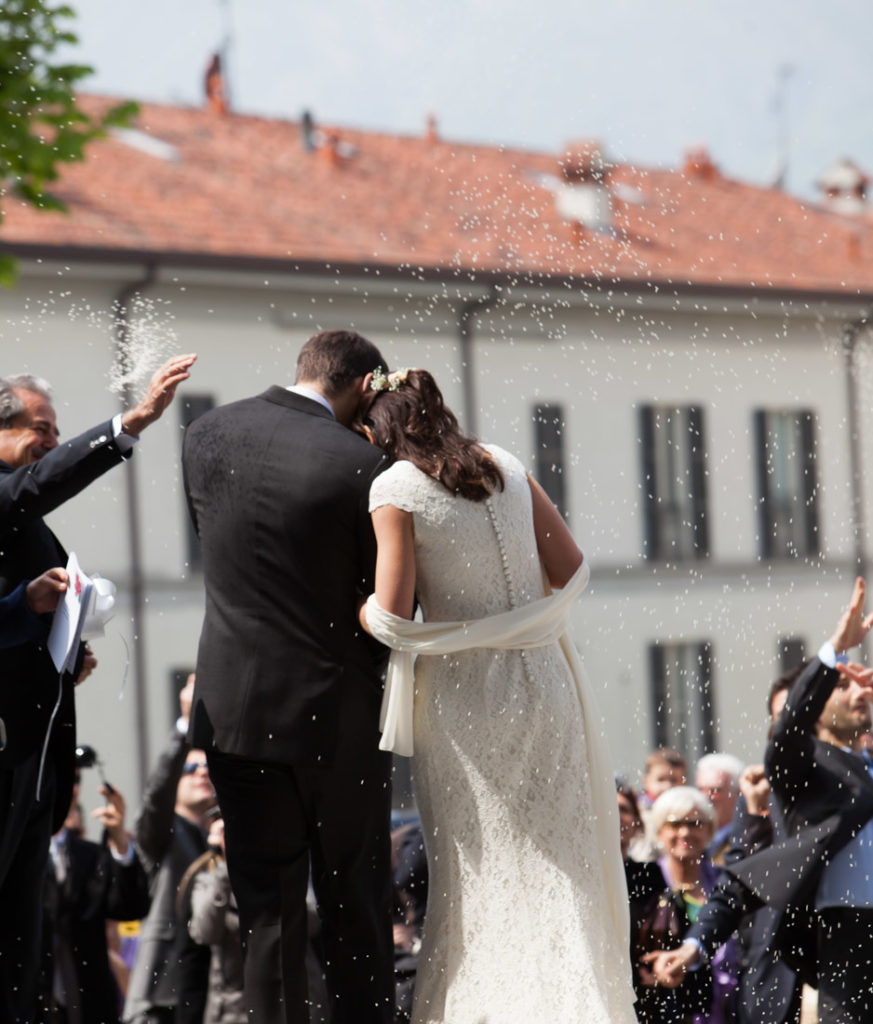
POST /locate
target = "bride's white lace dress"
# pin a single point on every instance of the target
(518, 927)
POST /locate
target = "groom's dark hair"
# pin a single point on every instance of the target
(337, 358)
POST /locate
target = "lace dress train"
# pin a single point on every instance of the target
(518, 925)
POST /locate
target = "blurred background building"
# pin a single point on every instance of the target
(683, 360)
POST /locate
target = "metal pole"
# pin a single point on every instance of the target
(850, 339)
(851, 333)
(465, 337)
(134, 534)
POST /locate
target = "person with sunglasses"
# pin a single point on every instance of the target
(170, 973)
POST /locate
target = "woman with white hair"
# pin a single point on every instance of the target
(684, 822)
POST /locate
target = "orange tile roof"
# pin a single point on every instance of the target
(245, 187)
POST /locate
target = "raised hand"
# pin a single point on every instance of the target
(853, 625)
(111, 816)
(159, 394)
(755, 788)
(862, 675)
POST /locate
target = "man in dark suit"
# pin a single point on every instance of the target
(289, 687)
(37, 716)
(768, 989)
(819, 879)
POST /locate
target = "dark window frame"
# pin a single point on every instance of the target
(664, 516)
(668, 661)
(788, 523)
(550, 427)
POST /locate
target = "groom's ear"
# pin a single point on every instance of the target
(366, 382)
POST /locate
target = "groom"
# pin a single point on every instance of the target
(288, 687)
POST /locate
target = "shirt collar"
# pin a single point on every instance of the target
(314, 395)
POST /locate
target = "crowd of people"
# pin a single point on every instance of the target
(751, 893)
(262, 870)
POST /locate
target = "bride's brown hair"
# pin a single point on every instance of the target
(414, 423)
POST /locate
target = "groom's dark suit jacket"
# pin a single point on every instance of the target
(278, 491)
(825, 796)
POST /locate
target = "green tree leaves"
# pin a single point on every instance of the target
(42, 127)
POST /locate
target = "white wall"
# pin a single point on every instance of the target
(600, 362)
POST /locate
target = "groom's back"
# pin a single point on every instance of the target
(278, 492)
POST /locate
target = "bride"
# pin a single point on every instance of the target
(527, 912)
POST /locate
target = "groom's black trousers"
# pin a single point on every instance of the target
(278, 818)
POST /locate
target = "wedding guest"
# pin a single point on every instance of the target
(170, 976)
(768, 989)
(214, 922)
(87, 884)
(684, 821)
(665, 768)
(38, 474)
(410, 878)
(817, 880)
(645, 885)
(717, 777)
(206, 898)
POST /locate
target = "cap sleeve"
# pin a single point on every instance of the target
(396, 486)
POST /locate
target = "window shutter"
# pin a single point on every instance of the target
(810, 484)
(707, 696)
(765, 525)
(697, 457)
(658, 691)
(651, 539)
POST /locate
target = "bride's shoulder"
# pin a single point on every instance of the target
(506, 461)
(399, 485)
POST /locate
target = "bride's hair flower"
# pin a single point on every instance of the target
(388, 382)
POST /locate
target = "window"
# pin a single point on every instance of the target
(549, 453)
(190, 408)
(787, 490)
(792, 650)
(683, 712)
(674, 483)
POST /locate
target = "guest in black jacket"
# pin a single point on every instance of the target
(171, 972)
(819, 879)
(37, 711)
(769, 990)
(87, 884)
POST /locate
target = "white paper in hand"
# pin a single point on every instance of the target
(69, 617)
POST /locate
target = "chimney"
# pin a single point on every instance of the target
(329, 150)
(583, 196)
(307, 131)
(699, 164)
(216, 98)
(431, 133)
(844, 187)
